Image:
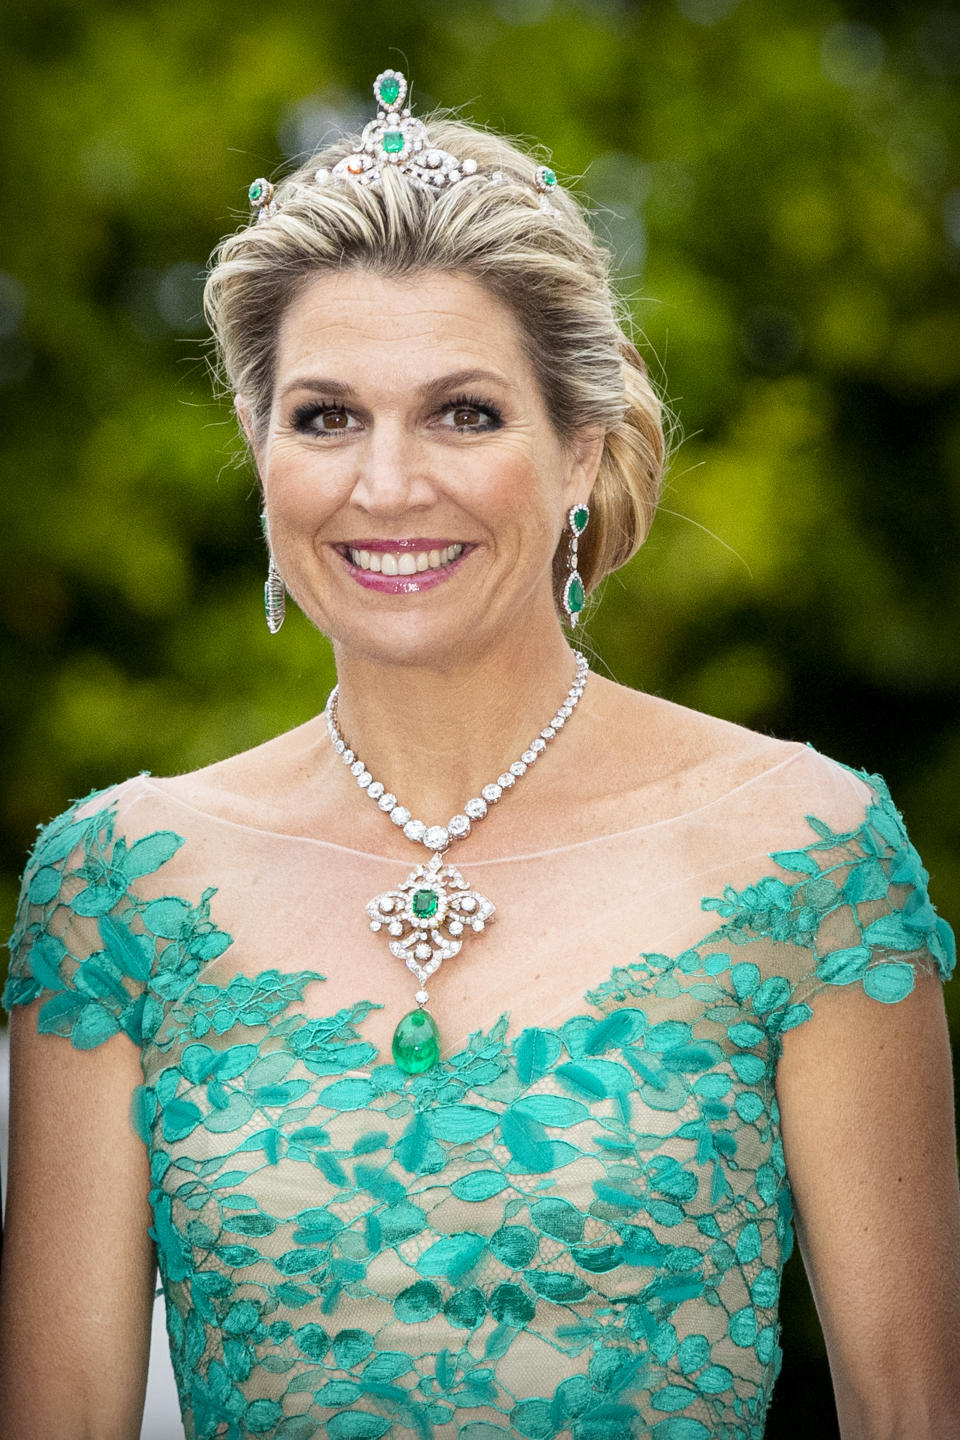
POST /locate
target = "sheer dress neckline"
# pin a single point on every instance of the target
(156, 785)
(500, 1028)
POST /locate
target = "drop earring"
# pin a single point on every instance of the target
(274, 598)
(574, 595)
(274, 590)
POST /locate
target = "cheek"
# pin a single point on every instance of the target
(524, 498)
(300, 490)
(515, 480)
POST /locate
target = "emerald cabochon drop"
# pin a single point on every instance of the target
(416, 1043)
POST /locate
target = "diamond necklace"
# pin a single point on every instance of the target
(429, 915)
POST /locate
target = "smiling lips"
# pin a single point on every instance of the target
(406, 562)
(401, 566)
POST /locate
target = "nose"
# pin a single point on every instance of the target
(392, 476)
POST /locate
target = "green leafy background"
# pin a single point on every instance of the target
(780, 183)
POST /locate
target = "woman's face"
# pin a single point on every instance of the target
(415, 486)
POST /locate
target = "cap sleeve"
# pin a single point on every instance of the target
(847, 906)
(881, 929)
(79, 942)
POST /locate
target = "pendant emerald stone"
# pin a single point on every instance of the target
(424, 903)
(416, 1043)
(393, 142)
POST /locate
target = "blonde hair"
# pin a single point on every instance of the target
(546, 266)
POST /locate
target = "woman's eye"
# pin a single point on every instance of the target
(462, 415)
(323, 419)
(333, 419)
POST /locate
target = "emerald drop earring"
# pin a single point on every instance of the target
(574, 595)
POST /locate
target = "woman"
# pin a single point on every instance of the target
(678, 974)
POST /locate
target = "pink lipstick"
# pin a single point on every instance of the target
(402, 584)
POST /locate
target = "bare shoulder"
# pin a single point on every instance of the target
(663, 743)
(252, 781)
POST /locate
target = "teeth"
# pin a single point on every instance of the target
(404, 562)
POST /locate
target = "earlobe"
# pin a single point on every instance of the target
(245, 416)
(587, 454)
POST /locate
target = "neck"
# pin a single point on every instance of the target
(436, 735)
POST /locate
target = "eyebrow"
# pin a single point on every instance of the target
(338, 389)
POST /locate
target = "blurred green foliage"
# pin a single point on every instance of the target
(780, 183)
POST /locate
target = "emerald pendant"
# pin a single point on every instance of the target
(424, 904)
(416, 1043)
(427, 920)
(429, 917)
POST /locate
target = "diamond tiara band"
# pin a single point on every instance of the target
(396, 139)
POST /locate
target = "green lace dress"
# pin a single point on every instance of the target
(575, 1226)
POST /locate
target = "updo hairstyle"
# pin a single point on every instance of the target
(545, 265)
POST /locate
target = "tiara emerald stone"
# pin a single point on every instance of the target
(389, 89)
(255, 192)
(393, 142)
(548, 176)
(416, 1043)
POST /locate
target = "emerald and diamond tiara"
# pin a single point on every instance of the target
(395, 138)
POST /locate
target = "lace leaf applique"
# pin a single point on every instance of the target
(872, 870)
(79, 934)
(572, 1232)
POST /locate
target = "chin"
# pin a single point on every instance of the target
(436, 642)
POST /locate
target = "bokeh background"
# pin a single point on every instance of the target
(780, 183)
